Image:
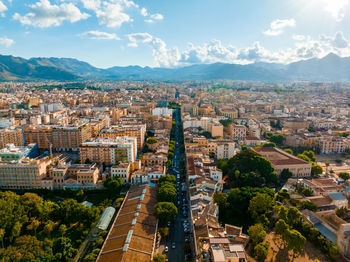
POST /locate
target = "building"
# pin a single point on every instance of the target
(147, 175)
(283, 160)
(132, 236)
(162, 111)
(109, 151)
(11, 136)
(238, 132)
(79, 177)
(230, 113)
(331, 144)
(154, 159)
(137, 131)
(25, 173)
(69, 138)
(122, 170)
(40, 135)
(12, 152)
(222, 149)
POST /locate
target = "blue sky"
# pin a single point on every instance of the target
(171, 33)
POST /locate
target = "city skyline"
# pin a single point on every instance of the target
(173, 34)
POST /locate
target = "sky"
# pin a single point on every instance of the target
(175, 33)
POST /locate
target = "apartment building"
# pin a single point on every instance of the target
(282, 160)
(109, 151)
(11, 136)
(25, 173)
(154, 159)
(331, 144)
(238, 132)
(12, 152)
(40, 135)
(222, 149)
(137, 131)
(230, 113)
(122, 170)
(69, 138)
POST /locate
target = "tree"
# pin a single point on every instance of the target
(220, 199)
(307, 191)
(344, 175)
(316, 170)
(260, 205)
(308, 205)
(277, 139)
(327, 165)
(285, 175)
(2, 234)
(257, 233)
(34, 224)
(270, 144)
(62, 229)
(260, 251)
(295, 241)
(289, 151)
(167, 178)
(281, 228)
(165, 211)
(16, 230)
(294, 216)
(48, 228)
(304, 157)
(170, 154)
(311, 155)
(80, 195)
(87, 161)
(159, 257)
(282, 195)
(152, 140)
(113, 185)
(63, 246)
(164, 232)
(166, 193)
(282, 213)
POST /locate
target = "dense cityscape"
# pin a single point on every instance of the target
(187, 171)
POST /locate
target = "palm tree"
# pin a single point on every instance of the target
(327, 165)
(49, 227)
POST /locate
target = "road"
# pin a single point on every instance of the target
(177, 235)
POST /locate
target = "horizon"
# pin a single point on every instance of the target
(136, 33)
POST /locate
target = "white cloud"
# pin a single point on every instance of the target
(139, 38)
(110, 13)
(100, 35)
(144, 11)
(336, 8)
(304, 48)
(3, 8)
(278, 26)
(44, 14)
(7, 42)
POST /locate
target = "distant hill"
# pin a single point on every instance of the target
(328, 68)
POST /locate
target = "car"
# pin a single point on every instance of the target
(173, 245)
(166, 249)
(169, 224)
(178, 202)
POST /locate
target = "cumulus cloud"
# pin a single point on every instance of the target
(144, 11)
(304, 47)
(278, 26)
(100, 35)
(44, 14)
(7, 42)
(111, 13)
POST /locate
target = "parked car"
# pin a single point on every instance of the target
(166, 249)
(173, 245)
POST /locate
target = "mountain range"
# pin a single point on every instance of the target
(328, 68)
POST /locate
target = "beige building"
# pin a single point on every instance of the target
(238, 132)
(40, 135)
(122, 170)
(222, 149)
(109, 151)
(283, 160)
(69, 138)
(23, 174)
(137, 131)
(11, 136)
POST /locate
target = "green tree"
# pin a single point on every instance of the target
(48, 228)
(165, 211)
(289, 151)
(34, 224)
(285, 175)
(304, 157)
(344, 175)
(277, 139)
(311, 155)
(63, 246)
(62, 229)
(307, 191)
(281, 228)
(260, 205)
(270, 144)
(295, 241)
(294, 216)
(113, 185)
(220, 199)
(283, 213)
(164, 232)
(16, 230)
(316, 170)
(152, 140)
(166, 193)
(159, 257)
(260, 251)
(257, 233)
(167, 178)
(308, 205)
